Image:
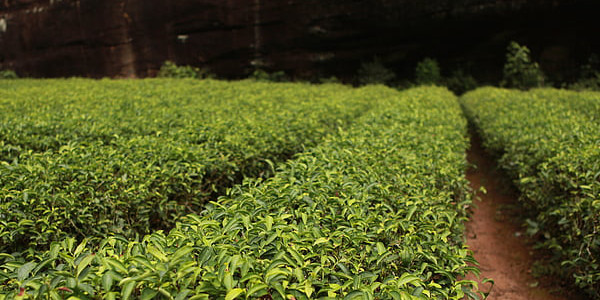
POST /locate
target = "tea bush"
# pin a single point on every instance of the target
(88, 158)
(549, 142)
(376, 211)
(583, 102)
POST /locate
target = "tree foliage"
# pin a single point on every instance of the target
(520, 71)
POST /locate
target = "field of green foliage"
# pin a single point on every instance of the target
(548, 141)
(89, 158)
(206, 189)
(133, 190)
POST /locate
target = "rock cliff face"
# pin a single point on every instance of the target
(132, 38)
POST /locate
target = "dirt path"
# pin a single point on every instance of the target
(496, 239)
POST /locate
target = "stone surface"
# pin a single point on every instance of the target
(132, 38)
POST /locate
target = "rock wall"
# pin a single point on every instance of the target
(132, 38)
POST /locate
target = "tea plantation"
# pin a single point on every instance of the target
(109, 191)
(206, 189)
(548, 141)
(87, 158)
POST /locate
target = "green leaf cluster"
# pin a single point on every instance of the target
(375, 211)
(548, 140)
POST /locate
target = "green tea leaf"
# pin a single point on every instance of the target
(232, 294)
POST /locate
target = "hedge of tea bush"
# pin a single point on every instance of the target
(87, 158)
(549, 142)
(585, 102)
(376, 211)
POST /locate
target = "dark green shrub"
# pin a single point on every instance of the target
(171, 70)
(592, 83)
(262, 75)
(428, 72)
(590, 76)
(8, 74)
(460, 82)
(331, 79)
(404, 84)
(375, 72)
(519, 70)
(591, 67)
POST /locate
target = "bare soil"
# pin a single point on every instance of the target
(497, 239)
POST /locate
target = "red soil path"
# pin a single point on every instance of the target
(497, 240)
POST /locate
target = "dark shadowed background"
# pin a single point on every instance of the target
(304, 38)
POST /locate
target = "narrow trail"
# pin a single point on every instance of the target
(496, 239)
